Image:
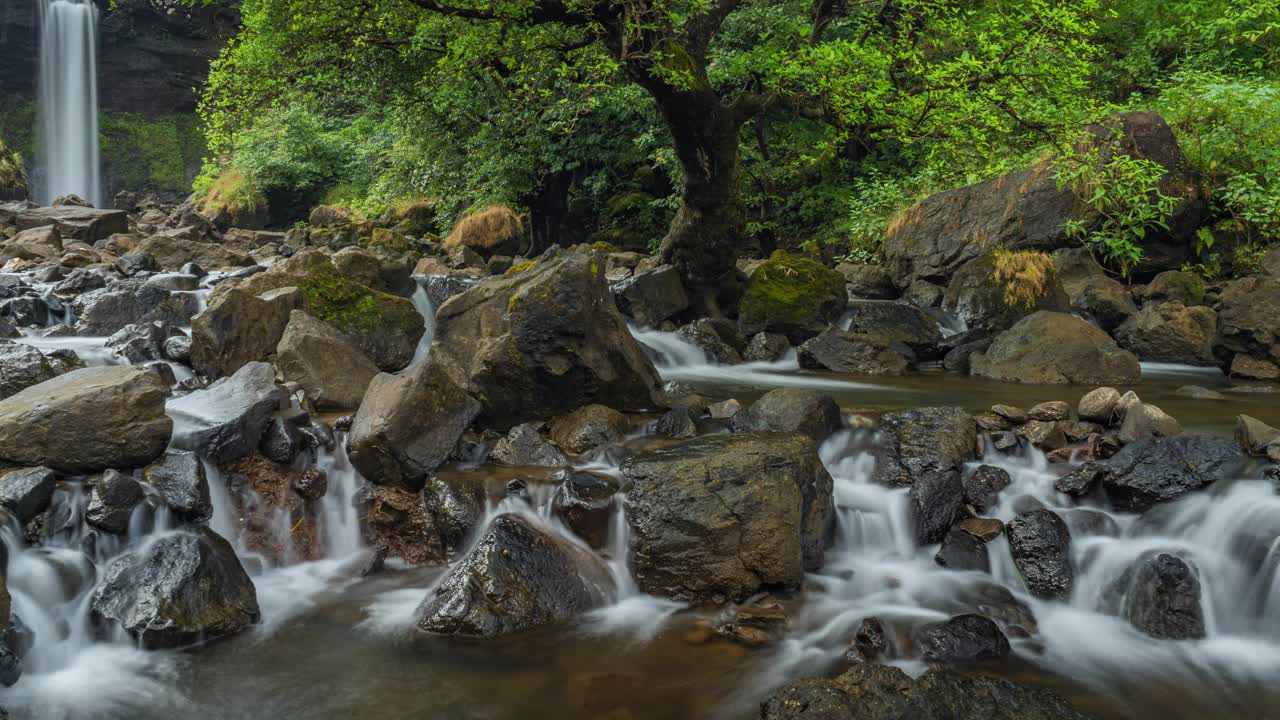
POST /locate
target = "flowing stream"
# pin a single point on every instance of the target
(68, 160)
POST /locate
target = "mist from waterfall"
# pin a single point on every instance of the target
(68, 108)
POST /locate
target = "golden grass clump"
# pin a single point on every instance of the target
(1025, 275)
(495, 226)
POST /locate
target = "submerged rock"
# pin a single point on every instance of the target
(518, 576)
(87, 421)
(1040, 544)
(722, 516)
(963, 638)
(177, 589)
(1160, 595)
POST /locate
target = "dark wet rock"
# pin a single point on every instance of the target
(1083, 479)
(979, 301)
(442, 287)
(1160, 595)
(10, 671)
(869, 691)
(652, 296)
(182, 483)
(518, 490)
(401, 521)
(961, 550)
(1253, 435)
(718, 339)
(1056, 348)
(111, 502)
(136, 263)
(26, 311)
(142, 343)
(897, 323)
(586, 502)
(958, 356)
(408, 425)
(332, 371)
(82, 280)
(182, 588)
(723, 516)
(964, 638)
(1086, 522)
(108, 310)
(518, 576)
(841, 351)
(797, 410)
(1249, 322)
(1143, 420)
(791, 295)
(937, 499)
(680, 423)
(226, 420)
(27, 492)
(766, 347)
(238, 328)
(1044, 435)
(311, 484)
(924, 294)
(983, 486)
(871, 642)
(926, 449)
(588, 428)
(116, 416)
(1100, 405)
(1040, 544)
(282, 440)
(867, 282)
(1153, 471)
(524, 446)
(1170, 332)
(21, 366)
(543, 342)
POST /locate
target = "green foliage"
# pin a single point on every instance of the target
(13, 176)
(230, 192)
(143, 153)
(1125, 192)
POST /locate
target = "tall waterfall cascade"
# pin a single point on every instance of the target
(68, 106)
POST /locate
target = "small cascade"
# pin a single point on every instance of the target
(68, 106)
(422, 303)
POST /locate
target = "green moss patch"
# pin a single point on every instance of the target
(789, 290)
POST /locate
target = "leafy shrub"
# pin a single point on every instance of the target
(231, 192)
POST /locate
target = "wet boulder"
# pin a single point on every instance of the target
(182, 588)
(401, 521)
(1148, 472)
(142, 342)
(313, 354)
(1249, 322)
(226, 420)
(111, 502)
(585, 502)
(841, 351)
(797, 410)
(718, 339)
(87, 420)
(897, 323)
(979, 301)
(21, 366)
(962, 550)
(408, 425)
(518, 576)
(1170, 332)
(1160, 595)
(544, 341)
(793, 296)
(652, 296)
(925, 450)
(1040, 544)
(1056, 348)
(867, 282)
(680, 423)
(766, 347)
(108, 310)
(27, 492)
(524, 445)
(239, 328)
(181, 481)
(457, 504)
(964, 638)
(1081, 480)
(722, 516)
(588, 428)
(983, 486)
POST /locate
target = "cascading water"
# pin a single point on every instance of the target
(68, 107)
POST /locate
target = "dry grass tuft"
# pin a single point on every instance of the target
(1025, 275)
(491, 227)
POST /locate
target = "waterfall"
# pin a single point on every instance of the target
(68, 109)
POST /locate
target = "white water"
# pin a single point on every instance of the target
(68, 107)
(422, 303)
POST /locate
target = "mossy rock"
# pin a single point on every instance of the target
(13, 177)
(520, 268)
(389, 239)
(411, 216)
(792, 295)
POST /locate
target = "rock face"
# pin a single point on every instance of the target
(793, 296)
(925, 450)
(408, 424)
(1056, 348)
(21, 366)
(868, 691)
(87, 420)
(796, 410)
(841, 351)
(975, 297)
(1040, 544)
(723, 516)
(542, 342)
(182, 588)
(518, 576)
(225, 421)
(1170, 332)
(1148, 472)
(313, 354)
(1026, 210)
(1160, 595)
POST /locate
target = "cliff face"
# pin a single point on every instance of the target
(152, 58)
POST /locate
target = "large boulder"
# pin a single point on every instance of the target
(408, 424)
(867, 282)
(588, 428)
(21, 366)
(897, 323)
(323, 362)
(974, 296)
(1249, 321)
(226, 420)
(791, 295)
(1160, 595)
(1153, 471)
(87, 420)
(841, 351)
(171, 251)
(179, 478)
(544, 341)
(721, 517)
(925, 450)
(108, 310)
(796, 410)
(182, 588)
(74, 222)
(870, 691)
(518, 576)
(1170, 332)
(1175, 286)
(238, 328)
(1040, 544)
(1027, 210)
(964, 638)
(1056, 348)
(653, 296)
